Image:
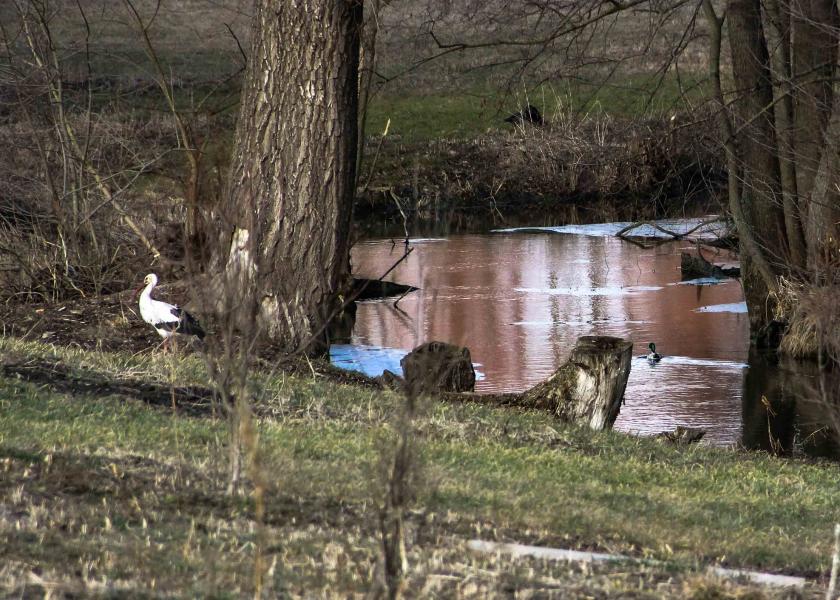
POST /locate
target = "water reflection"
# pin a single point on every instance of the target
(519, 302)
(787, 407)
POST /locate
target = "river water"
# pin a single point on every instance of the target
(519, 299)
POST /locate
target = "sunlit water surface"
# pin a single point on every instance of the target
(519, 301)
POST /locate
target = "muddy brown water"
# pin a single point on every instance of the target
(519, 301)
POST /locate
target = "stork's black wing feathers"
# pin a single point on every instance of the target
(184, 324)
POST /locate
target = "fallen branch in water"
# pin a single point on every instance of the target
(674, 235)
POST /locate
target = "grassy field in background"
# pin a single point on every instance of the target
(423, 116)
(102, 491)
(200, 44)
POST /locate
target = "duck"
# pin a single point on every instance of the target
(653, 357)
(167, 319)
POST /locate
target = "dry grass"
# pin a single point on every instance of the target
(813, 317)
(71, 239)
(790, 303)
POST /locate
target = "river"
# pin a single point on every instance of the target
(518, 299)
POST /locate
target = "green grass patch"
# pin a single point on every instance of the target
(418, 116)
(91, 481)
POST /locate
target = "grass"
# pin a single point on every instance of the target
(462, 114)
(92, 481)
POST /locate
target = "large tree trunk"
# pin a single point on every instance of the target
(288, 209)
(814, 54)
(779, 41)
(760, 197)
(817, 122)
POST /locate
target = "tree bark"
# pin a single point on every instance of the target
(779, 40)
(286, 219)
(814, 53)
(367, 66)
(824, 212)
(590, 386)
(755, 139)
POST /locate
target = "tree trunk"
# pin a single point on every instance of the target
(779, 40)
(814, 54)
(824, 212)
(760, 197)
(817, 122)
(288, 209)
(750, 249)
(367, 66)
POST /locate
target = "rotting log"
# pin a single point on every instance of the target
(589, 388)
(696, 266)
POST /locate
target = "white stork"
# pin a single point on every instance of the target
(166, 318)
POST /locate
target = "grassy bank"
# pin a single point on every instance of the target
(108, 487)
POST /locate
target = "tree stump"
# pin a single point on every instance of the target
(590, 386)
(438, 367)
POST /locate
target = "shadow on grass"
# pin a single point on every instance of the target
(192, 401)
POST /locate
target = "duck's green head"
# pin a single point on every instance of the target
(652, 347)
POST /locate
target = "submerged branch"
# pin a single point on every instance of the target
(623, 234)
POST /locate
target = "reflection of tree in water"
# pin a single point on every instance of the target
(793, 418)
(556, 316)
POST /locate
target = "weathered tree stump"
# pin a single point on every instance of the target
(438, 367)
(590, 386)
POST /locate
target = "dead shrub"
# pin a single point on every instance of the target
(789, 305)
(596, 154)
(63, 221)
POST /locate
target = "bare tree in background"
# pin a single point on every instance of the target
(293, 168)
(64, 225)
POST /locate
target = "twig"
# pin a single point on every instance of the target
(394, 266)
(242, 52)
(404, 294)
(402, 212)
(375, 156)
